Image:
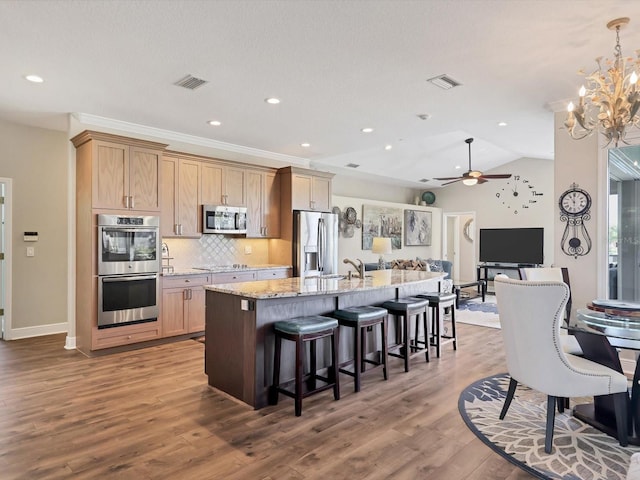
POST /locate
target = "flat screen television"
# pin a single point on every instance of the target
(512, 245)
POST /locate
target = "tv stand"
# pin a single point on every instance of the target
(482, 271)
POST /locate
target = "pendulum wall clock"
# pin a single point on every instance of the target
(575, 206)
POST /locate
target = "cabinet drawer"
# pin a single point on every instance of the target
(184, 281)
(116, 336)
(231, 277)
(272, 274)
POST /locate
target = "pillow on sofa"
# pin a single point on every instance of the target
(434, 265)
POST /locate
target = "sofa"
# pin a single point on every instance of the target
(420, 264)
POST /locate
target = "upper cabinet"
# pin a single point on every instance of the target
(263, 204)
(223, 185)
(125, 172)
(180, 212)
(306, 189)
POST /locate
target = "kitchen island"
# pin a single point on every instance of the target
(240, 316)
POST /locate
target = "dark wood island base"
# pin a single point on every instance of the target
(239, 345)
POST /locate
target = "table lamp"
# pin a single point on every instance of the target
(381, 246)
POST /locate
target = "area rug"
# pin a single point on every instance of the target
(476, 312)
(579, 450)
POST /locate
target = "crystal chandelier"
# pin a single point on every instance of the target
(609, 102)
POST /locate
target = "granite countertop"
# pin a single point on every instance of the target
(222, 269)
(300, 286)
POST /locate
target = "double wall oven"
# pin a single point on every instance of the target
(128, 269)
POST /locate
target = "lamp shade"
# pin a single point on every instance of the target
(381, 245)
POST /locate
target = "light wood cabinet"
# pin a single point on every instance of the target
(273, 273)
(233, 277)
(117, 175)
(223, 185)
(300, 189)
(263, 204)
(310, 191)
(125, 176)
(180, 212)
(183, 304)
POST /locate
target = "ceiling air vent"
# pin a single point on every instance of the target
(352, 165)
(190, 82)
(444, 82)
(424, 180)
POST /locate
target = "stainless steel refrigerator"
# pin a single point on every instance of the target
(315, 243)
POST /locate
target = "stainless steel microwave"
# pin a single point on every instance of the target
(224, 219)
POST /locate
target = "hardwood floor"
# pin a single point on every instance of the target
(149, 414)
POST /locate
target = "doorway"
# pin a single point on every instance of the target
(5, 258)
(460, 244)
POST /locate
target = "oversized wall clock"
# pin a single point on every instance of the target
(575, 209)
(518, 194)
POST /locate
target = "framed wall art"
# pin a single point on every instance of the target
(417, 227)
(381, 221)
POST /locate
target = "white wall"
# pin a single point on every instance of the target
(578, 161)
(37, 161)
(352, 247)
(496, 207)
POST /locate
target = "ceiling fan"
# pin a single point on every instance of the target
(471, 177)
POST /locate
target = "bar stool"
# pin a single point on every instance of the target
(359, 318)
(438, 300)
(301, 330)
(405, 308)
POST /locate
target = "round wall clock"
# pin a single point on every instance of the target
(575, 206)
(518, 194)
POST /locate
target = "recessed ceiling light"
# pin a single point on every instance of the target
(388, 147)
(34, 78)
(214, 123)
(457, 167)
(353, 165)
(305, 145)
(367, 130)
(272, 100)
(502, 124)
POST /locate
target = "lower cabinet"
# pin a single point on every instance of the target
(183, 301)
(273, 273)
(184, 297)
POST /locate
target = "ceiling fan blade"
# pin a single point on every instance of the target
(448, 178)
(454, 181)
(482, 180)
(497, 175)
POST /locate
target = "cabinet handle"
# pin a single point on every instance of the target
(185, 294)
(187, 280)
(132, 202)
(313, 205)
(129, 337)
(126, 201)
(175, 229)
(180, 227)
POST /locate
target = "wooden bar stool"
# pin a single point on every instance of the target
(406, 308)
(437, 301)
(359, 318)
(301, 330)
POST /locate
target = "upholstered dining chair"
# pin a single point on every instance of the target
(530, 316)
(560, 274)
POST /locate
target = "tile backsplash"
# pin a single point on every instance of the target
(217, 250)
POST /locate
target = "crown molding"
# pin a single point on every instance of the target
(171, 137)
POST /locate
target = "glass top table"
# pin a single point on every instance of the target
(600, 335)
(622, 331)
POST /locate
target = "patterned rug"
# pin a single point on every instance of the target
(476, 312)
(579, 450)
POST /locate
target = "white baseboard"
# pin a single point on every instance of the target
(37, 331)
(70, 343)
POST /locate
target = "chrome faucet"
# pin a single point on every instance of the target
(359, 268)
